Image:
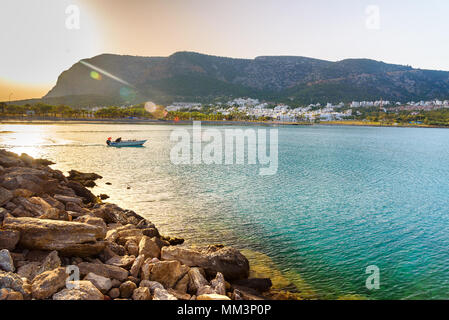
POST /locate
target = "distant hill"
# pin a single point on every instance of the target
(190, 76)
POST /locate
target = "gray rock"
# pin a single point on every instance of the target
(6, 261)
(151, 285)
(101, 283)
(12, 281)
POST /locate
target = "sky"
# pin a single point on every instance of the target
(39, 39)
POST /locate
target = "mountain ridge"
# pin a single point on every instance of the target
(192, 76)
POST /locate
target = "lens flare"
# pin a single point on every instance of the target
(150, 106)
(95, 75)
(105, 73)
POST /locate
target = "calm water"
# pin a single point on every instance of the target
(344, 198)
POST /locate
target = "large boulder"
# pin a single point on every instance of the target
(38, 207)
(69, 238)
(36, 180)
(168, 273)
(229, 261)
(79, 290)
(48, 283)
(105, 270)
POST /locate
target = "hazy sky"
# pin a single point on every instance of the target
(40, 39)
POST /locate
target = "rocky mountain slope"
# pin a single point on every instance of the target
(189, 76)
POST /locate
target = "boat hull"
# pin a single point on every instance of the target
(137, 143)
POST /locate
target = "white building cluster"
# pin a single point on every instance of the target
(285, 113)
(176, 106)
(364, 104)
(255, 109)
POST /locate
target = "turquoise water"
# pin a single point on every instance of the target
(343, 198)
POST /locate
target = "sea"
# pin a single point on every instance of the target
(344, 200)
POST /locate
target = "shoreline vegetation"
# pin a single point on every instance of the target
(52, 227)
(150, 113)
(359, 123)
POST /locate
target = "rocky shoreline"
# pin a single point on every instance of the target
(59, 241)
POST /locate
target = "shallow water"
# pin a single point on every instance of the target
(343, 198)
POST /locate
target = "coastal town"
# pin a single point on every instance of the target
(433, 112)
(255, 109)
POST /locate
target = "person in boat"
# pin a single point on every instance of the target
(118, 139)
(108, 142)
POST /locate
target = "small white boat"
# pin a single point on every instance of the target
(126, 143)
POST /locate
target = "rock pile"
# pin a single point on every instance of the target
(58, 241)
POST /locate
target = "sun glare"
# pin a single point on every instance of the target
(24, 139)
